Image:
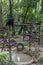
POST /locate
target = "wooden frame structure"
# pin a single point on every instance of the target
(31, 33)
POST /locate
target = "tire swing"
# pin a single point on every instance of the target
(20, 47)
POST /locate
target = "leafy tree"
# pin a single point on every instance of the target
(23, 10)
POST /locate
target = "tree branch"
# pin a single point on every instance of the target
(24, 19)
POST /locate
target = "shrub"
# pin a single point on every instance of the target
(25, 43)
(2, 55)
(36, 53)
(10, 62)
(2, 58)
(41, 59)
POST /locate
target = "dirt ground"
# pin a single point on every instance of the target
(27, 48)
(41, 48)
(41, 54)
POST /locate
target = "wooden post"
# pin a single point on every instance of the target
(10, 54)
(23, 33)
(30, 35)
(39, 35)
(9, 47)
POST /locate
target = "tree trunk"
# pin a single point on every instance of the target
(1, 18)
(10, 6)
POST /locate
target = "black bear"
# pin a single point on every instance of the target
(10, 22)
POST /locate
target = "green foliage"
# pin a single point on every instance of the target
(42, 6)
(41, 59)
(37, 53)
(19, 7)
(30, 44)
(41, 18)
(25, 43)
(2, 36)
(10, 62)
(2, 55)
(3, 60)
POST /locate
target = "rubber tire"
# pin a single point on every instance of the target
(20, 49)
